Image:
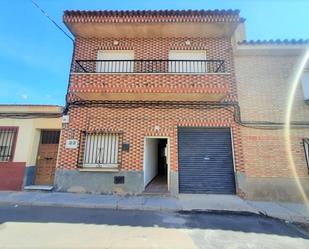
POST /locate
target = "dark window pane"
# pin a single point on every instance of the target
(50, 137)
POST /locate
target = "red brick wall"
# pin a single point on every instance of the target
(216, 49)
(265, 153)
(156, 48)
(11, 175)
(135, 121)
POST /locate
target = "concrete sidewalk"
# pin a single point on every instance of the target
(185, 202)
(296, 212)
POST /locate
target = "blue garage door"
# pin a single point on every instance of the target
(205, 161)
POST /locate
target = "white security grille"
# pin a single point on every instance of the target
(101, 150)
(7, 140)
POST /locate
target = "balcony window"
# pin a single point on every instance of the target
(115, 61)
(305, 85)
(186, 61)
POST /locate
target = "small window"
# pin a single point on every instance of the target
(101, 150)
(50, 137)
(7, 143)
(306, 148)
(115, 61)
(187, 61)
(305, 85)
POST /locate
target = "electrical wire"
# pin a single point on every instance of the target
(30, 115)
(49, 18)
(261, 125)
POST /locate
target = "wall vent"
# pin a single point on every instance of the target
(118, 179)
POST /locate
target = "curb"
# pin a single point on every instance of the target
(133, 207)
(149, 208)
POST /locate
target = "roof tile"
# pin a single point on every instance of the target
(275, 42)
(114, 16)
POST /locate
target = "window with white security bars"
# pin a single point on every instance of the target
(101, 150)
(7, 143)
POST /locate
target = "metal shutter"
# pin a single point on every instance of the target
(205, 161)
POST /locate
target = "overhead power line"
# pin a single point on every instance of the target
(49, 18)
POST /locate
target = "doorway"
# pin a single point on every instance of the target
(47, 157)
(156, 165)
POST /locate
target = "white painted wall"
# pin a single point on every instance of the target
(28, 136)
(150, 159)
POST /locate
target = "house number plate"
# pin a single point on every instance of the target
(71, 143)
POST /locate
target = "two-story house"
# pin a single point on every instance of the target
(175, 102)
(151, 104)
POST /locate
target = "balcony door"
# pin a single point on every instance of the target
(187, 61)
(115, 61)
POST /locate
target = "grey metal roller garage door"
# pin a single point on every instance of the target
(205, 161)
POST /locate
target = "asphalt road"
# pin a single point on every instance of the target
(54, 227)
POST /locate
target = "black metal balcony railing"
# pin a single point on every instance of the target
(149, 66)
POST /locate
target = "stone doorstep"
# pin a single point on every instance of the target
(39, 187)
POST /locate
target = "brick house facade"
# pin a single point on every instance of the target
(115, 113)
(267, 70)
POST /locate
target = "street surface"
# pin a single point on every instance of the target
(56, 227)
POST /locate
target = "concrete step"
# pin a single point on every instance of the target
(162, 194)
(39, 187)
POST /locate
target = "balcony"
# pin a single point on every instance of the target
(150, 66)
(150, 80)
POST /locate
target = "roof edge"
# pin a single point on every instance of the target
(30, 105)
(120, 13)
(275, 42)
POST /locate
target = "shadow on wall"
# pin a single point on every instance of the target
(29, 175)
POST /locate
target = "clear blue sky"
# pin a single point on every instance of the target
(35, 56)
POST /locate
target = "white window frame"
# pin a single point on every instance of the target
(124, 65)
(101, 150)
